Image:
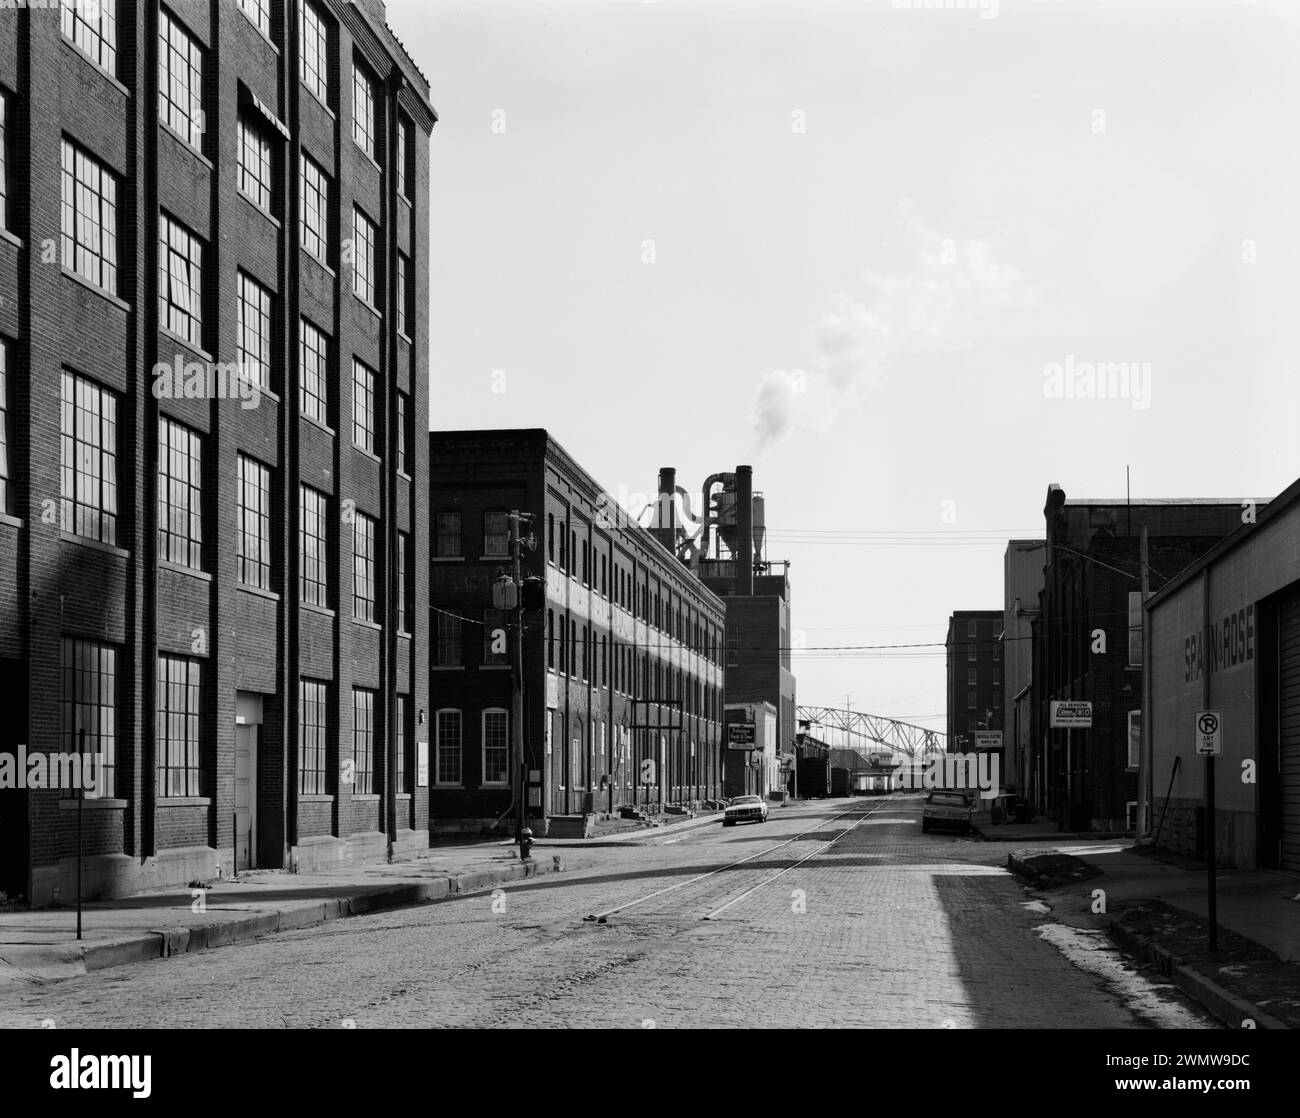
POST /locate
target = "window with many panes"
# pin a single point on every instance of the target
(496, 746)
(496, 534)
(253, 331)
(313, 712)
(180, 280)
(446, 534)
(403, 287)
(1134, 738)
(88, 459)
(93, 28)
(363, 741)
(180, 79)
(496, 637)
(259, 11)
(1135, 629)
(405, 159)
(4, 159)
(89, 218)
(363, 406)
(401, 432)
(402, 544)
(253, 528)
(447, 646)
(254, 175)
(88, 706)
(315, 185)
(363, 109)
(179, 738)
(363, 567)
(314, 52)
(365, 237)
(313, 372)
(5, 505)
(399, 753)
(447, 747)
(313, 550)
(180, 494)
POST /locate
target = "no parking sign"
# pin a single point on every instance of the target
(1209, 733)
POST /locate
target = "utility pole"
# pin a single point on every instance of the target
(517, 714)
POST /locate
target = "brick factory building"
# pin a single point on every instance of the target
(974, 655)
(1088, 642)
(213, 302)
(626, 631)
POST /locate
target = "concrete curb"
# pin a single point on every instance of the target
(1225, 1005)
(645, 837)
(163, 943)
(991, 835)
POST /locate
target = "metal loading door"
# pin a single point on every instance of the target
(1289, 728)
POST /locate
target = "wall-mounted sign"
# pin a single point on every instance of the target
(988, 739)
(422, 764)
(1070, 715)
(741, 735)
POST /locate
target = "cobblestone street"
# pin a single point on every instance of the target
(884, 928)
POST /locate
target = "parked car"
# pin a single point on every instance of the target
(946, 810)
(745, 809)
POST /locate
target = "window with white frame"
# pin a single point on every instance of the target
(403, 286)
(179, 734)
(313, 558)
(402, 544)
(313, 372)
(314, 52)
(4, 159)
(253, 526)
(88, 705)
(496, 535)
(92, 27)
(363, 406)
(365, 236)
(447, 747)
(313, 713)
(405, 151)
(253, 331)
(399, 753)
(254, 175)
(88, 459)
(401, 432)
(315, 208)
(89, 218)
(180, 280)
(496, 746)
(363, 567)
(180, 80)
(1135, 629)
(363, 109)
(180, 494)
(363, 741)
(1134, 738)
(259, 11)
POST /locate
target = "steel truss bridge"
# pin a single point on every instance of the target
(845, 725)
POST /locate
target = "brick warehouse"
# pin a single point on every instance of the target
(975, 669)
(624, 624)
(1088, 642)
(195, 579)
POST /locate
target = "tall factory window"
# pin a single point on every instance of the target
(365, 239)
(1134, 738)
(254, 172)
(313, 712)
(550, 537)
(313, 548)
(447, 534)
(313, 365)
(180, 80)
(4, 426)
(314, 68)
(586, 579)
(180, 494)
(89, 218)
(550, 639)
(180, 710)
(496, 746)
(401, 432)
(363, 109)
(259, 11)
(315, 197)
(447, 768)
(253, 525)
(93, 29)
(363, 741)
(253, 331)
(496, 535)
(573, 649)
(180, 280)
(1135, 629)
(363, 406)
(447, 652)
(363, 567)
(399, 754)
(89, 704)
(88, 460)
(401, 590)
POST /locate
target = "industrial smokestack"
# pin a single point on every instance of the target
(664, 525)
(760, 527)
(744, 530)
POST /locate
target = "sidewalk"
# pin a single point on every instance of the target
(1156, 907)
(41, 945)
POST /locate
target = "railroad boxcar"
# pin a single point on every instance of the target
(814, 778)
(840, 782)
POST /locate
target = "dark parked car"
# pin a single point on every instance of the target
(946, 810)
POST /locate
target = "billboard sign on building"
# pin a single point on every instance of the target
(741, 735)
(1069, 715)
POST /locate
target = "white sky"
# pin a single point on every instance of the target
(920, 210)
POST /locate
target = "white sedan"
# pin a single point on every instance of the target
(745, 809)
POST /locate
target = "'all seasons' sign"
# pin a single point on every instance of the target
(1231, 642)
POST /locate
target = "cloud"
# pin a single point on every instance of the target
(949, 295)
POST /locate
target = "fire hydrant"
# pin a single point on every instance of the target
(525, 844)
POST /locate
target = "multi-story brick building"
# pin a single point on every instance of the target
(974, 655)
(622, 667)
(213, 291)
(1088, 642)
(1021, 583)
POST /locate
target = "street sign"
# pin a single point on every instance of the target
(1070, 715)
(741, 735)
(988, 739)
(1209, 733)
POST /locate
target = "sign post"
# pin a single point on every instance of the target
(1070, 715)
(1209, 744)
